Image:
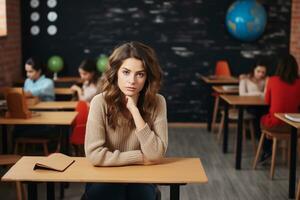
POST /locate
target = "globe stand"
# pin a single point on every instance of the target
(55, 76)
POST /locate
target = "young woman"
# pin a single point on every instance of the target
(254, 83)
(36, 83)
(283, 96)
(127, 123)
(89, 75)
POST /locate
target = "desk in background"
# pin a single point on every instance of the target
(65, 79)
(240, 102)
(63, 119)
(220, 80)
(54, 105)
(293, 150)
(215, 80)
(171, 171)
(221, 89)
(63, 91)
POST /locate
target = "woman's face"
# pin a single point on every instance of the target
(84, 75)
(260, 72)
(131, 77)
(32, 73)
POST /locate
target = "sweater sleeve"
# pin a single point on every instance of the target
(95, 149)
(154, 142)
(246, 88)
(243, 87)
(88, 93)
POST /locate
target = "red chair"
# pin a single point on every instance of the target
(222, 69)
(78, 134)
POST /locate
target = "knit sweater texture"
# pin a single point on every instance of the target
(105, 146)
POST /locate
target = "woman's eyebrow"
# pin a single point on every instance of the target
(136, 71)
(141, 71)
(125, 68)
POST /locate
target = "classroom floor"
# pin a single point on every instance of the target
(224, 181)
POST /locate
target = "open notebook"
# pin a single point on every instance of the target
(230, 87)
(56, 161)
(293, 117)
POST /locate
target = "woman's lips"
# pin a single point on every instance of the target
(130, 88)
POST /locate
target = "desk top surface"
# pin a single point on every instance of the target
(244, 100)
(219, 79)
(54, 105)
(292, 123)
(63, 91)
(170, 170)
(43, 118)
(220, 89)
(57, 90)
(59, 79)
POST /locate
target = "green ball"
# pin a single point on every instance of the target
(55, 63)
(102, 63)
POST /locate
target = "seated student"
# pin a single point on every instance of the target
(36, 84)
(253, 84)
(89, 75)
(283, 96)
(127, 123)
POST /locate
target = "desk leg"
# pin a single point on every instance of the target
(61, 190)
(50, 191)
(239, 147)
(174, 192)
(292, 172)
(65, 132)
(209, 108)
(225, 136)
(4, 139)
(32, 191)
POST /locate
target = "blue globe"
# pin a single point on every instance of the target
(246, 20)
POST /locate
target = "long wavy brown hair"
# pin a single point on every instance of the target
(147, 102)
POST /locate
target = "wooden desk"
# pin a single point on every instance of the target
(63, 119)
(63, 91)
(220, 80)
(293, 151)
(57, 91)
(233, 89)
(215, 80)
(172, 171)
(220, 90)
(48, 105)
(240, 102)
(68, 79)
(54, 105)
(65, 79)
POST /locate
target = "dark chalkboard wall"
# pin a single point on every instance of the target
(189, 37)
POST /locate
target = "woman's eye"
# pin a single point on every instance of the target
(125, 72)
(140, 75)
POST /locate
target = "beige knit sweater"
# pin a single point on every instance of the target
(107, 147)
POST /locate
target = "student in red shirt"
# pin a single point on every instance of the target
(283, 96)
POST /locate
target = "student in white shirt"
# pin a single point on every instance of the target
(89, 75)
(253, 84)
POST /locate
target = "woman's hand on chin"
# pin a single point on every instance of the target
(131, 103)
